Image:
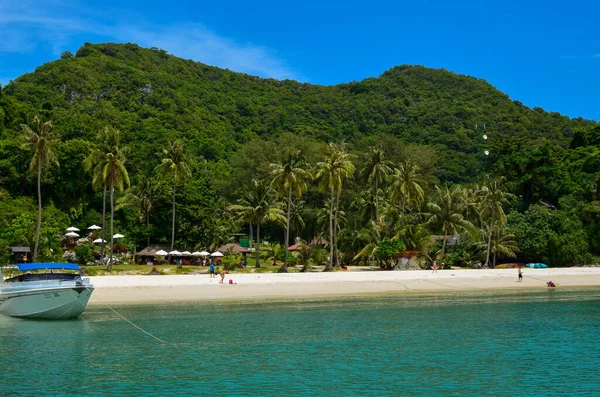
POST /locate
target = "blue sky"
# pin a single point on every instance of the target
(542, 53)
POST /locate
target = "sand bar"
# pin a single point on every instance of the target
(164, 288)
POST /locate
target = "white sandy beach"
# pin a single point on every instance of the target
(140, 289)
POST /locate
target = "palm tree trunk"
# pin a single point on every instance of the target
(257, 244)
(443, 248)
(112, 215)
(173, 222)
(487, 259)
(403, 207)
(39, 220)
(148, 229)
(103, 225)
(335, 226)
(329, 267)
(251, 234)
(283, 268)
(376, 199)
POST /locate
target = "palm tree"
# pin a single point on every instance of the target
(41, 139)
(98, 182)
(406, 186)
(336, 167)
(492, 198)
(141, 197)
(175, 161)
(371, 236)
(446, 215)
(257, 206)
(110, 168)
(290, 179)
(375, 170)
(503, 243)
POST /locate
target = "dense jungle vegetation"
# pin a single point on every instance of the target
(375, 166)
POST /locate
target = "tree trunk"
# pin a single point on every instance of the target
(173, 223)
(376, 198)
(112, 215)
(257, 244)
(147, 229)
(283, 268)
(443, 248)
(103, 243)
(251, 234)
(403, 207)
(335, 227)
(39, 220)
(329, 266)
(487, 258)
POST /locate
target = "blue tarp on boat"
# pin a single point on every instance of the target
(24, 267)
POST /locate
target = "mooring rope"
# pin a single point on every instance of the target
(123, 317)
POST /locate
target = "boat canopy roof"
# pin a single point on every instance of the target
(24, 267)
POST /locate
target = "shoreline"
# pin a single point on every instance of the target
(200, 287)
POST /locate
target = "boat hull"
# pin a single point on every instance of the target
(54, 302)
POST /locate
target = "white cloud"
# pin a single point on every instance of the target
(25, 25)
(194, 41)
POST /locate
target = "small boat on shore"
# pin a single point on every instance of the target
(537, 265)
(44, 291)
(508, 266)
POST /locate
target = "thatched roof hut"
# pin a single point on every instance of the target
(233, 248)
(151, 250)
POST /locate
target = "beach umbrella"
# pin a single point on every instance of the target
(216, 253)
(118, 236)
(72, 229)
(204, 253)
(99, 240)
(196, 253)
(94, 227)
(186, 253)
(175, 253)
(161, 253)
(72, 234)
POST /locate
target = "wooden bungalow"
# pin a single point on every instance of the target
(20, 254)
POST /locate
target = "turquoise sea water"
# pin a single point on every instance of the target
(538, 343)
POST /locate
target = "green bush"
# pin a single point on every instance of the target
(84, 253)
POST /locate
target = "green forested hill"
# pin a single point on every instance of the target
(234, 125)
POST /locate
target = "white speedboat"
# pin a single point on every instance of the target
(44, 291)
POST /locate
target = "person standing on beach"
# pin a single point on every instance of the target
(520, 274)
(223, 273)
(211, 270)
(434, 267)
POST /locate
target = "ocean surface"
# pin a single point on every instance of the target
(536, 343)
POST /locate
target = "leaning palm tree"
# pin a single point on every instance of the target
(445, 215)
(492, 199)
(257, 205)
(141, 197)
(376, 169)
(175, 162)
(290, 177)
(41, 139)
(406, 186)
(110, 167)
(336, 167)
